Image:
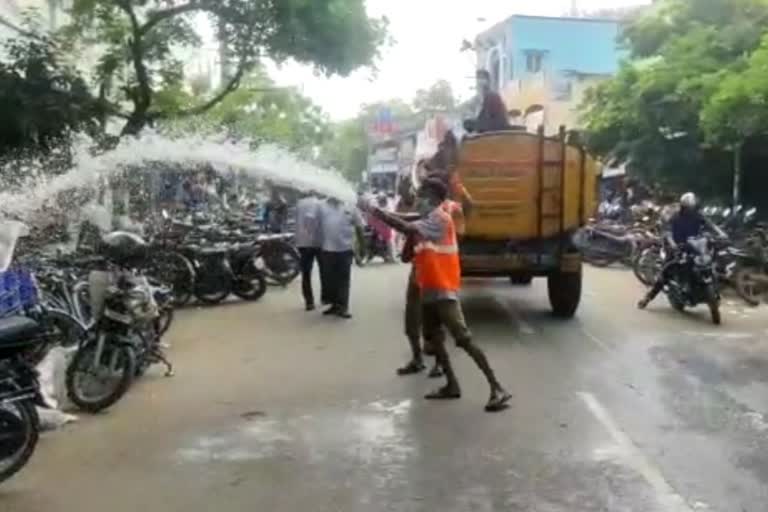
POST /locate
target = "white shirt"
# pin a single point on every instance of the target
(337, 224)
(308, 223)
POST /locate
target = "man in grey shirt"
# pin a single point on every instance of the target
(339, 223)
(309, 242)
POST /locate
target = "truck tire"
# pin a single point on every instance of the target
(564, 290)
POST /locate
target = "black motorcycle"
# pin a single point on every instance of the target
(122, 341)
(20, 339)
(694, 280)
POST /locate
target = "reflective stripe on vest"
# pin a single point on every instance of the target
(437, 264)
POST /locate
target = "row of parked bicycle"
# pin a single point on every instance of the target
(110, 303)
(634, 238)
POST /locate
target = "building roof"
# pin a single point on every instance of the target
(495, 27)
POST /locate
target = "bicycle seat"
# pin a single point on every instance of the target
(18, 331)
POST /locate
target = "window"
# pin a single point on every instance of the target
(534, 61)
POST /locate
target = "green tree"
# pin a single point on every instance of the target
(140, 36)
(653, 114)
(265, 113)
(438, 97)
(43, 100)
(347, 148)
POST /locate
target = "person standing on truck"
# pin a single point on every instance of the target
(493, 112)
(438, 274)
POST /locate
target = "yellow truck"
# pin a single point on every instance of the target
(530, 194)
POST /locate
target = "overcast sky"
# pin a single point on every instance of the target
(428, 36)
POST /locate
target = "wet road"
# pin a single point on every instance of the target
(276, 409)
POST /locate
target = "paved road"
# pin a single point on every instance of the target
(280, 410)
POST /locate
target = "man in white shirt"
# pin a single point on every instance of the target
(339, 223)
(308, 242)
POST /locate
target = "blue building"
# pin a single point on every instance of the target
(542, 66)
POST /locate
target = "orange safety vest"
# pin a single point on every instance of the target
(437, 264)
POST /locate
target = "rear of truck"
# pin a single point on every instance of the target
(530, 194)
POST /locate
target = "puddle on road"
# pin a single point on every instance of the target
(374, 432)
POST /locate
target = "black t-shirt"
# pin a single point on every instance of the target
(685, 225)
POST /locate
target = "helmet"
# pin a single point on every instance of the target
(689, 201)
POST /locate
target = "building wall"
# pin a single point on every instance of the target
(547, 65)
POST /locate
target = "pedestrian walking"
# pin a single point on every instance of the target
(309, 242)
(438, 274)
(339, 223)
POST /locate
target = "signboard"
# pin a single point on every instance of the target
(384, 168)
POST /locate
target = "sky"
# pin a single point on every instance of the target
(428, 35)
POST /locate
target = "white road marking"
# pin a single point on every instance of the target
(597, 341)
(667, 497)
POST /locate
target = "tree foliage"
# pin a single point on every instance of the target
(43, 100)
(671, 111)
(265, 113)
(141, 39)
(438, 97)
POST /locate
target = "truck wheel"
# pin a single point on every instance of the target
(564, 293)
(521, 280)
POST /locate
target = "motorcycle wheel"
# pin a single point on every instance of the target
(250, 283)
(176, 271)
(280, 263)
(647, 266)
(747, 287)
(19, 433)
(212, 297)
(119, 361)
(676, 304)
(713, 301)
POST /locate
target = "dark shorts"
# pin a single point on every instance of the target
(441, 315)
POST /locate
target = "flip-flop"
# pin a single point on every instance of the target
(411, 368)
(498, 402)
(444, 393)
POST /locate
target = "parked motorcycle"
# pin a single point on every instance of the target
(19, 393)
(122, 341)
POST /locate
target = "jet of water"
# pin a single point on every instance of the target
(268, 162)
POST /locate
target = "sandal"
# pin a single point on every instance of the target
(498, 402)
(444, 393)
(411, 368)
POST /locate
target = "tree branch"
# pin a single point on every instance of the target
(201, 109)
(21, 31)
(162, 15)
(144, 99)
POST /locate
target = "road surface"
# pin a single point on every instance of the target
(280, 410)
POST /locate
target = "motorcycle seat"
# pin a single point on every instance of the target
(18, 331)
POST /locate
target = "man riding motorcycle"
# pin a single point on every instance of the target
(687, 223)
